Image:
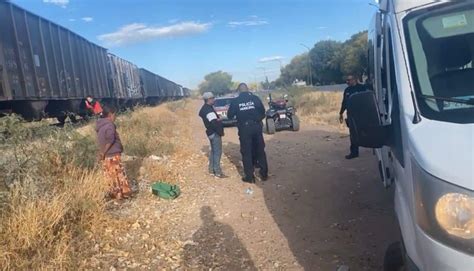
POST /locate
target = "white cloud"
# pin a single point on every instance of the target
(270, 58)
(136, 32)
(87, 19)
(61, 3)
(253, 21)
(322, 27)
(72, 20)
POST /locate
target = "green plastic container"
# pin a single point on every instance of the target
(165, 190)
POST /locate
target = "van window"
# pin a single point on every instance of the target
(441, 51)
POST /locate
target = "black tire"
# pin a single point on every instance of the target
(295, 123)
(271, 129)
(73, 118)
(61, 119)
(394, 258)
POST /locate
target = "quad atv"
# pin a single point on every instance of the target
(280, 116)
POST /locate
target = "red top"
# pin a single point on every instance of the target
(95, 107)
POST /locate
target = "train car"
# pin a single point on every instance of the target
(171, 88)
(151, 88)
(45, 68)
(124, 81)
(186, 92)
(165, 90)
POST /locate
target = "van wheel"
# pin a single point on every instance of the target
(295, 122)
(271, 129)
(393, 260)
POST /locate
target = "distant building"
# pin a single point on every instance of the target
(298, 83)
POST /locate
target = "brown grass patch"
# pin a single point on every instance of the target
(53, 211)
(320, 107)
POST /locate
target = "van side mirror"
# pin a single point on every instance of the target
(364, 118)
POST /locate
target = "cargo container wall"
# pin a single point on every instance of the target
(150, 84)
(163, 87)
(40, 60)
(124, 78)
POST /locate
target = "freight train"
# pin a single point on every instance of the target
(47, 70)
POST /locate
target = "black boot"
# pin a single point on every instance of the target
(248, 179)
(352, 156)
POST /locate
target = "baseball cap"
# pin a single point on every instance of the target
(207, 95)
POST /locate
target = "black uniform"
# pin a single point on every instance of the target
(347, 93)
(250, 112)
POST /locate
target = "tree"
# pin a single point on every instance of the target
(217, 82)
(266, 85)
(297, 69)
(325, 66)
(331, 60)
(354, 56)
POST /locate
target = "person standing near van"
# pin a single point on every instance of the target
(110, 152)
(215, 132)
(249, 111)
(353, 87)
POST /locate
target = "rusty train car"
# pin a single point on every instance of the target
(47, 70)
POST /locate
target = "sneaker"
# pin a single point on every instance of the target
(264, 178)
(221, 176)
(351, 156)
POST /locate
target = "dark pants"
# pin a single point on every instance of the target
(215, 154)
(354, 147)
(252, 148)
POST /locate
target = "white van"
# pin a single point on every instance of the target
(420, 120)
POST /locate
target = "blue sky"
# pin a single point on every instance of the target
(183, 40)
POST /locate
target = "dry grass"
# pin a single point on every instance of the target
(54, 206)
(320, 107)
(142, 132)
(48, 231)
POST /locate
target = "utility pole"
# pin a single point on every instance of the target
(310, 64)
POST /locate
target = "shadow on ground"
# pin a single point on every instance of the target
(332, 211)
(215, 246)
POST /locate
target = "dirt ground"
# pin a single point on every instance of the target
(317, 211)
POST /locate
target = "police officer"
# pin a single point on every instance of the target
(250, 112)
(353, 87)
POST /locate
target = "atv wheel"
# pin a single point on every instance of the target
(295, 123)
(271, 129)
